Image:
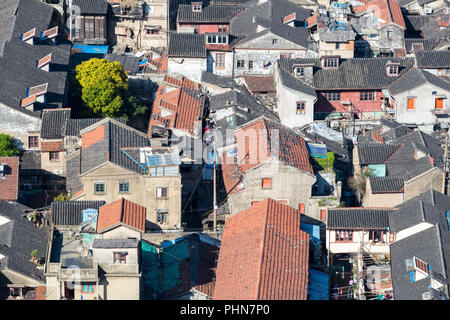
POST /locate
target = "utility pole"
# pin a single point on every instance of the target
(214, 185)
(444, 175)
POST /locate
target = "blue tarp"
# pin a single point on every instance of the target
(91, 48)
(169, 243)
(317, 150)
(318, 287)
(312, 230)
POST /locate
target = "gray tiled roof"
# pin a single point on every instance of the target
(54, 123)
(429, 206)
(428, 44)
(70, 213)
(394, 130)
(357, 73)
(30, 161)
(209, 14)
(18, 238)
(372, 153)
(130, 63)
(74, 126)
(289, 80)
(92, 7)
(433, 59)
(18, 59)
(109, 149)
(431, 246)
(357, 218)
(387, 184)
(220, 81)
(115, 243)
(415, 78)
(187, 45)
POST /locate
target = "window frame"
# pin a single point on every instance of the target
(52, 154)
(367, 95)
(34, 144)
(302, 108)
(407, 103)
(299, 71)
(240, 64)
(343, 235)
(119, 256)
(332, 95)
(250, 65)
(162, 216)
(99, 183)
(164, 193)
(220, 62)
(124, 183)
(262, 183)
(442, 103)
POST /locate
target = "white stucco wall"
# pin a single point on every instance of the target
(190, 68)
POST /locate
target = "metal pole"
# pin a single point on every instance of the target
(214, 185)
(444, 176)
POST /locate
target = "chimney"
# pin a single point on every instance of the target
(28, 37)
(290, 19)
(50, 34)
(44, 63)
(197, 6)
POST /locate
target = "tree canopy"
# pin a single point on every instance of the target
(7, 147)
(103, 87)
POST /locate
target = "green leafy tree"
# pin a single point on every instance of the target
(7, 147)
(103, 86)
(61, 197)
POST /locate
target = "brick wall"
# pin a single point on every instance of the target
(92, 137)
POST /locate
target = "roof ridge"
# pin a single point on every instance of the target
(270, 202)
(441, 250)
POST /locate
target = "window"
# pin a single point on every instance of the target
(161, 193)
(331, 62)
(323, 214)
(337, 45)
(222, 28)
(267, 183)
(220, 60)
(367, 95)
(344, 235)
(120, 257)
(389, 34)
(299, 71)
(274, 41)
(240, 64)
(196, 7)
(392, 70)
(250, 65)
(124, 187)
(196, 28)
(230, 121)
(161, 216)
(99, 187)
(439, 103)
(332, 95)
(411, 103)
(421, 266)
(380, 236)
(152, 31)
(53, 155)
(88, 287)
(213, 38)
(300, 107)
(33, 142)
(301, 208)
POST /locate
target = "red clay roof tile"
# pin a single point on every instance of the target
(121, 212)
(264, 255)
(9, 186)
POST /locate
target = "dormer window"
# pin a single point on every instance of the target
(44, 63)
(392, 69)
(28, 37)
(422, 267)
(299, 71)
(330, 62)
(216, 39)
(197, 6)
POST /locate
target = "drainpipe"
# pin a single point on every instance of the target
(140, 165)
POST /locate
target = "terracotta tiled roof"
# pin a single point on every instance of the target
(121, 212)
(291, 151)
(51, 146)
(264, 255)
(9, 186)
(311, 21)
(387, 10)
(185, 104)
(259, 83)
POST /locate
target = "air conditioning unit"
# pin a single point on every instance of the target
(428, 10)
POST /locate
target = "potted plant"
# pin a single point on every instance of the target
(34, 257)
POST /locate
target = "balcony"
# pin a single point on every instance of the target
(120, 268)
